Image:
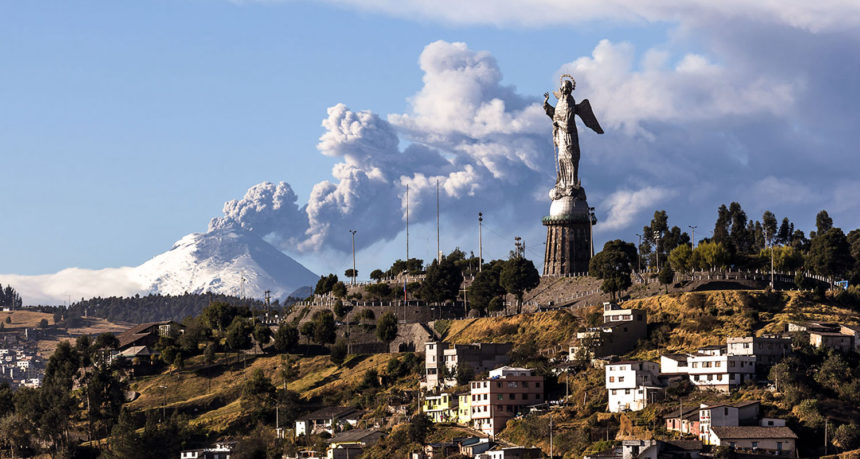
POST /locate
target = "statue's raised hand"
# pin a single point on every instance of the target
(545, 96)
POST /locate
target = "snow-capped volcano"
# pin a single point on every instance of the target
(216, 261)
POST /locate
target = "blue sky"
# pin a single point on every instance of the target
(125, 125)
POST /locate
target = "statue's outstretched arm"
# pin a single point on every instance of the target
(549, 109)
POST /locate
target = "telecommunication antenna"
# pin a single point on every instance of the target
(480, 242)
(407, 223)
(438, 250)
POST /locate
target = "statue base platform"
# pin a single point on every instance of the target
(568, 237)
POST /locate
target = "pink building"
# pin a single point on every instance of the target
(502, 395)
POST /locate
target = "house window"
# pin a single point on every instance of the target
(717, 364)
(627, 391)
(695, 364)
(500, 397)
(525, 396)
(537, 384)
(512, 396)
(613, 391)
(621, 379)
(612, 379)
(779, 446)
(525, 384)
(725, 411)
(755, 444)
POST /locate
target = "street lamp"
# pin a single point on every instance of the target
(353, 255)
(480, 242)
(657, 238)
(692, 235)
(639, 253)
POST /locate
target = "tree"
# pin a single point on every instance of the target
(485, 287)
(666, 276)
(325, 284)
(442, 282)
(350, 273)
(465, 374)
(258, 395)
(847, 436)
(768, 223)
(286, 338)
(219, 315)
(823, 222)
(338, 352)
(377, 275)
(307, 330)
(680, 258)
(262, 334)
(613, 264)
(386, 328)
(338, 289)
(324, 327)
(710, 255)
(785, 258)
(239, 335)
(519, 274)
(209, 354)
(830, 254)
(419, 428)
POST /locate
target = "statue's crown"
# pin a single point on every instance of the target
(567, 76)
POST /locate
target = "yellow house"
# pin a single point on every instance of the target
(440, 408)
(464, 409)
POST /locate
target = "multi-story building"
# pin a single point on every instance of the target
(464, 408)
(479, 357)
(618, 334)
(711, 368)
(767, 349)
(632, 385)
(732, 415)
(501, 396)
(441, 408)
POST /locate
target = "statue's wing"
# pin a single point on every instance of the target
(583, 109)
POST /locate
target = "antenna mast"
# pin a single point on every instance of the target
(407, 223)
(438, 250)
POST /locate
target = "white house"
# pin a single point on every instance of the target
(726, 415)
(711, 368)
(632, 385)
(772, 440)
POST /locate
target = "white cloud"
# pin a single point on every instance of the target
(74, 283)
(625, 205)
(827, 15)
(695, 89)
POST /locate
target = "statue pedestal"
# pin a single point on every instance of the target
(568, 237)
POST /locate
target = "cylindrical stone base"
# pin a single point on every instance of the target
(568, 245)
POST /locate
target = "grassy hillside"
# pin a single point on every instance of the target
(211, 396)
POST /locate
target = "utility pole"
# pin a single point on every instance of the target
(480, 242)
(407, 223)
(692, 235)
(592, 220)
(438, 250)
(639, 253)
(550, 436)
(825, 434)
(353, 255)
